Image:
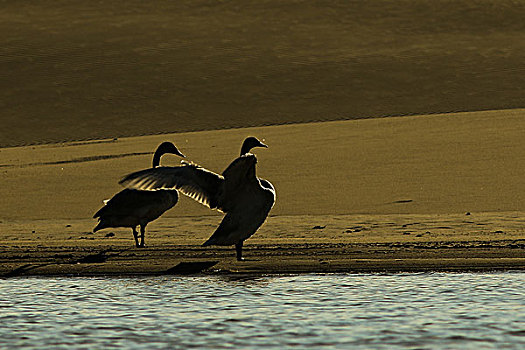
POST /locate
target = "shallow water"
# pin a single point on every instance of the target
(368, 311)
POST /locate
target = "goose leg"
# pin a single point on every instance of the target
(238, 250)
(135, 235)
(142, 232)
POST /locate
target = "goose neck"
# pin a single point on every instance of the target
(156, 157)
(245, 149)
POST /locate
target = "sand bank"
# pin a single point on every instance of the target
(390, 194)
(285, 244)
(91, 69)
(452, 163)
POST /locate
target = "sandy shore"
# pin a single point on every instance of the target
(285, 244)
(438, 192)
(384, 194)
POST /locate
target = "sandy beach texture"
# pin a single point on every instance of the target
(438, 192)
(98, 69)
(89, 89)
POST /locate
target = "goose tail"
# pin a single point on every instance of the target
(209, 242)
(100, 226)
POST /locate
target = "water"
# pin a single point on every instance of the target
(404, 311)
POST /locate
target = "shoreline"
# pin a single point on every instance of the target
(283, 245)
(248, 275)
(264, 259)
(374, 266)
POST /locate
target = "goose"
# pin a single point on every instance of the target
(238, 192)
(132, 207)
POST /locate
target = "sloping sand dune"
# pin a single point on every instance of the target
(453, 163)
(438, 192)
(99, 69)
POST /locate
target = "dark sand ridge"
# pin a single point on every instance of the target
(83, 69)
(386, 194)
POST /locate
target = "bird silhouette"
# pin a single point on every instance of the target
(238, 192)
(132, 207)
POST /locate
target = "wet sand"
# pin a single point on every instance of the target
(285, 244)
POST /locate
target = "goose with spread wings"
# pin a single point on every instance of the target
(238, 192)
(132, 207)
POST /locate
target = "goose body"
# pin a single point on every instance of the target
(132, 208)
(245, 199)
(246, 208)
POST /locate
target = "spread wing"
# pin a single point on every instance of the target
(205, 186)
(239, 174)
(240, 171)
(190, 179)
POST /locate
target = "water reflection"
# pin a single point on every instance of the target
(358, 311)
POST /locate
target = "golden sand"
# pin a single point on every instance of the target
(93, 69)
(422, 192)
(438, 192)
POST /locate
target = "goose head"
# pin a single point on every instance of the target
(165, 147)
(249, 143)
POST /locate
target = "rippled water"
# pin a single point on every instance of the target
(423, 311)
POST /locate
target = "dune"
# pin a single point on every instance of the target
(430, 192)
(77, 70)
(449, 163)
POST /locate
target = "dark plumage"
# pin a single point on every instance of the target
(132, 208)
(244, 198)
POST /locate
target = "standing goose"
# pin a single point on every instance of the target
(244, 198)
(132, 208)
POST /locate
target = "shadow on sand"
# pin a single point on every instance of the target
(187, 268)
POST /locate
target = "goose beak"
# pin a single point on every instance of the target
(263, 145)
(177, 152)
